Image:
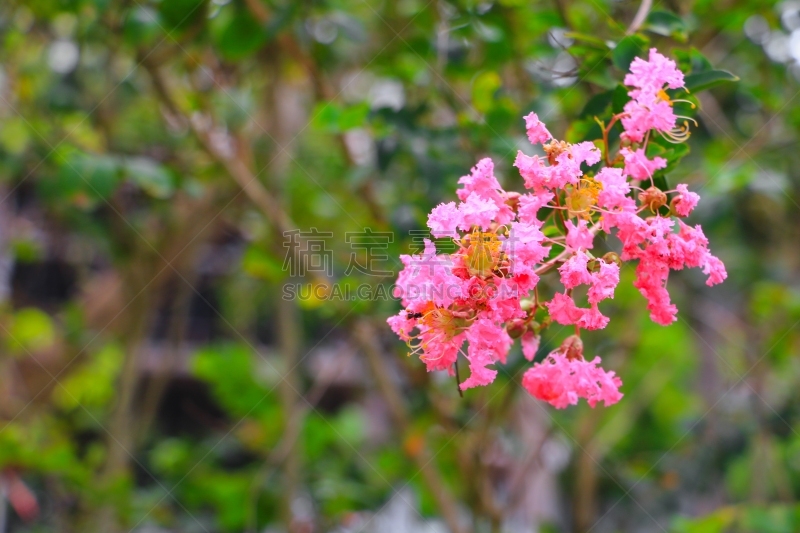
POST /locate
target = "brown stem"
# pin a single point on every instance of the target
(458, 379)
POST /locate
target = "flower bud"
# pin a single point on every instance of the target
(572, 347)
(555, 148)
(612, 257)
(517, 328)
(654, 198)
(512, 200)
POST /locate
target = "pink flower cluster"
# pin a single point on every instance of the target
(561, 381)
(487, 293)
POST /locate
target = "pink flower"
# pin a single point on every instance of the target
(585, 152)
(658, 228)
(524, 276)
(401, 324)
(650, 280)
(685, 201)
(486, 335)
(530, 204)
(574, 271)
(480, 375)
(688, 248)
(487, 343)
(533, 170)
(567, 167)
(524, 244)
(482, 183)
(414, 271)
(603, 282)
(485, 287)
(561, 382)
(566, 170)
(579, 237)
(476, 211)
(530, 345)
(443, 220)
(592, 318)
(632, 231)
(426, 278)
(615, 189)
(638, 166)
(649, 77)
(481, 180)
(537, 132)
(504, 305)
(715, 270)
(650, 108)
(640, 118)
(440, 351)
(563, 309)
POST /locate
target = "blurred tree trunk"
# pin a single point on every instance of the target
(288, 339)
(120, 432)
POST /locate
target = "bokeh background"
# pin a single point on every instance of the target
(153, 157)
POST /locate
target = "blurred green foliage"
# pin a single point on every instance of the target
(152, 153)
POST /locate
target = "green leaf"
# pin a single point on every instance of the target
(180, 14)
(333, 118)
(627, 49)
(583, 130)
(260, 264)
(240, 36)
(501, 117)
(716, 522)
(706, 80)
(326, 116)
(83, 178)
(153, 178)
(235, 381)
(141, 26)
(14, 135)
(660, 181)
(597, 105)
(619, 99)
(667, 24)
(672, 152)
(483, 90)
(101, 173)
(30, 330)
(94, 383)
(692, 61)
(354, 116)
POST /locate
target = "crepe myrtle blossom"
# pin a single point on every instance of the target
(477, 300)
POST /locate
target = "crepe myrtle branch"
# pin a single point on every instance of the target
(504, 247)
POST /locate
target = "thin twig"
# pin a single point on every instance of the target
(640, 17)
(458, 379)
